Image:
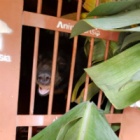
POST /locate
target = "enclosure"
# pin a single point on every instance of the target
(39, 26)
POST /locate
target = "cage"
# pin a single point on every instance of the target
(43, 27)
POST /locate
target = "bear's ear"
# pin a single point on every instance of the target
(61, 61)
(40, 57)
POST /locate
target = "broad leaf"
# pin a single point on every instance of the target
(64, 129)
(130, 39)
(117, 77)
(115, 23)
(135, 78)
(79, 83)
(84, 122)
(98, 51)
(134, 29)
(52, 132)
(97, 57)
(111, 8)
(92, 90)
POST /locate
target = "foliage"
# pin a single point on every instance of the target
(117, 76)
(84, 122)
(114, 16)
(97, 57)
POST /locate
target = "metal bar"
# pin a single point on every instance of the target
(89, 65)
(55, 52)
(105, 58)
(107, 50)
(97, 3)
(114, 118)
(45, 120)
(79, 8)
(71, 73)
(36, 120)
(55, 23)
(35, 57)
(73, 59)
(112, 109)
(100, 99)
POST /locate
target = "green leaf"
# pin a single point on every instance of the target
(92, 90)
(130, 39)
(113, 48)
(77, 86)
(83, 122)
(51, 132)
(107, 107)
(80, 27)
(111, 8)
(115, 127)
(135, 78)
(65, 128)
(114, 23)
(99, 49)
(115, 75)
(98, 52)
(134, 29)
(92, 126)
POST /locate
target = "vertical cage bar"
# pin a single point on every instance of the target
(79, 7)
(97, 2)
(100, 99)
(71, 73)
(74, 51)
(89, 64)
(107, 50)
(55, 52)
(105, 58)
(34, 70)
(112, 109)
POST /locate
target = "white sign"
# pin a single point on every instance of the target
(4, 29)
(69, 26)
(6, 58)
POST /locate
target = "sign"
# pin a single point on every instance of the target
(4, 29)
